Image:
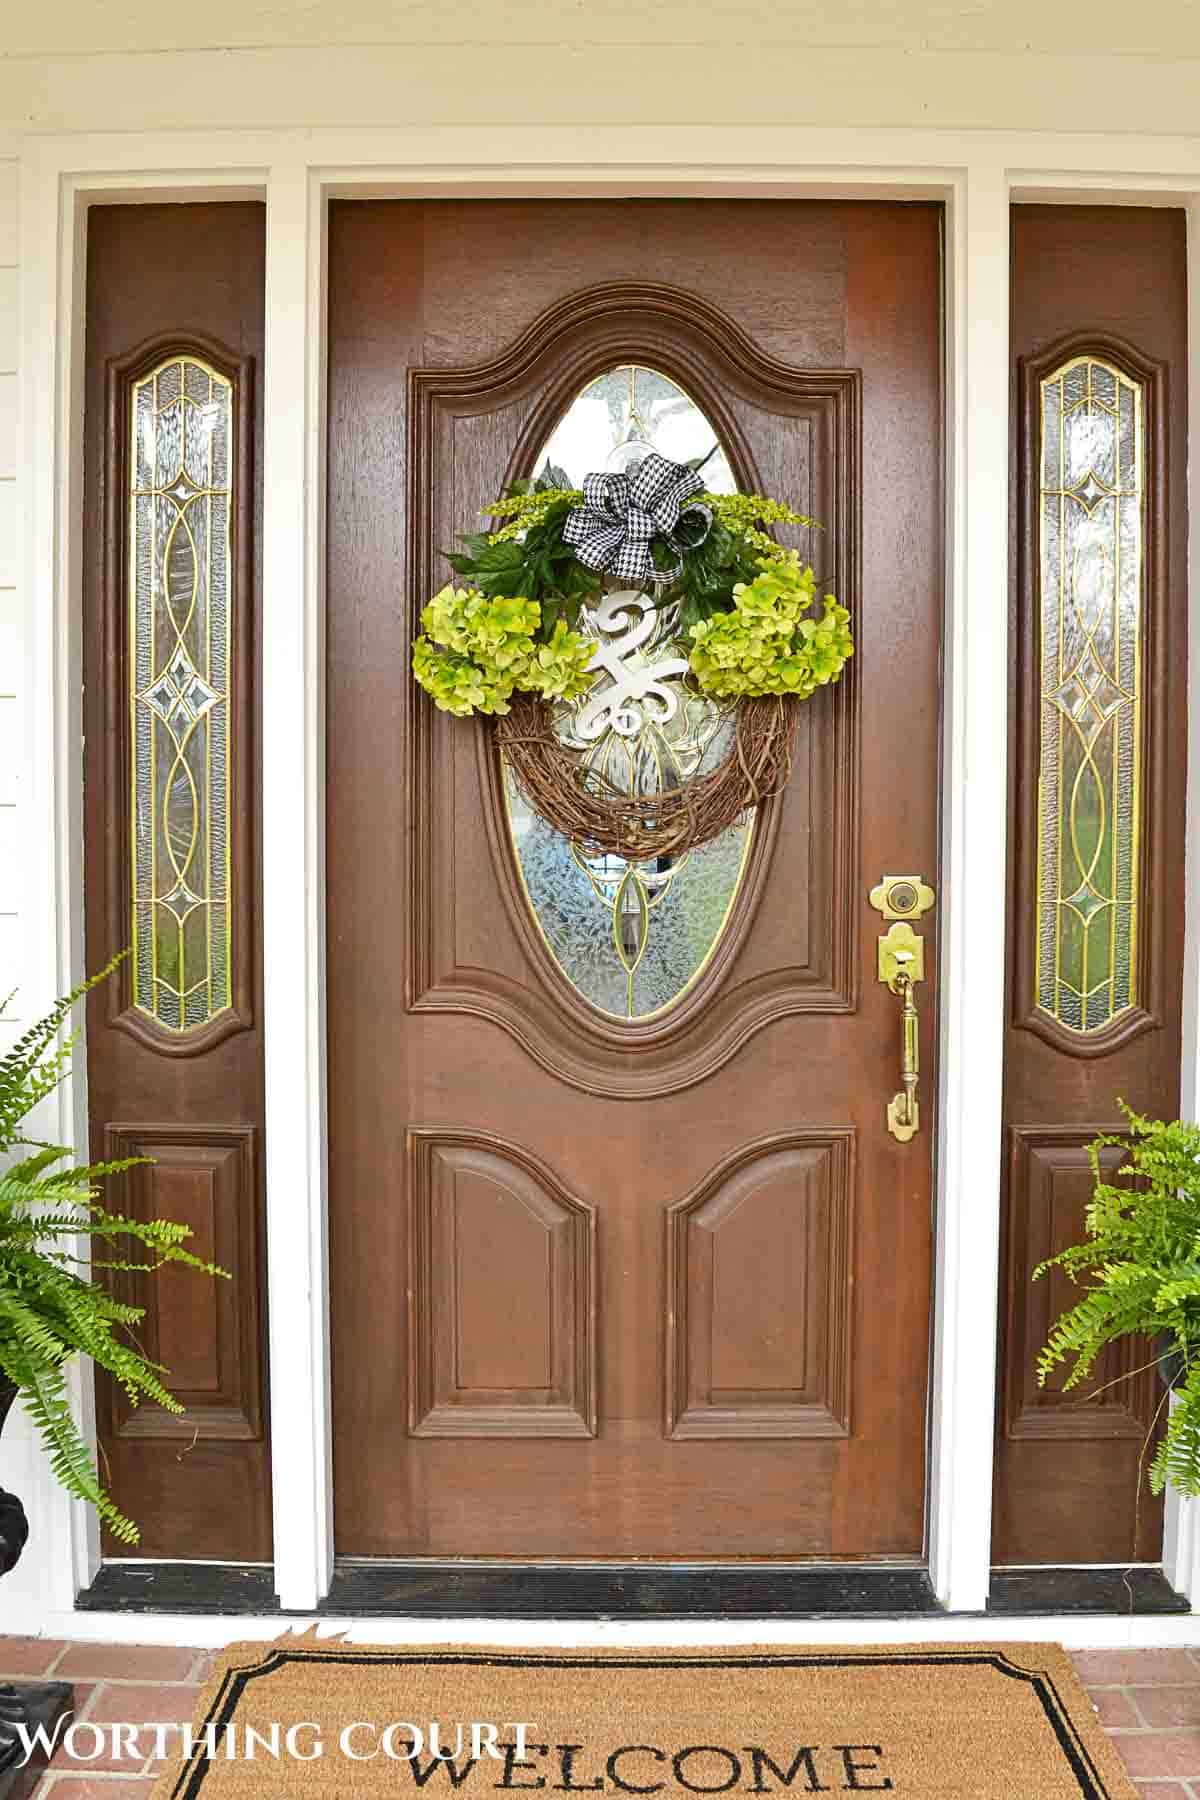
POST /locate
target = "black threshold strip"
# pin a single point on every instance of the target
(375, 1589)
(628, 1591)
(1138, 1591)
(451, 1590)
(181, 1587)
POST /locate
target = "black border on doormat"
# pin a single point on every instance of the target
(234, 1682)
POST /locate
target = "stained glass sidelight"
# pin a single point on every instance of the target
(633, 937)
(1091, 552)
(180, 579)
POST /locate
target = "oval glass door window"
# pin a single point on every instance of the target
(633, 937)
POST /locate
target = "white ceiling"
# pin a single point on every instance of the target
(1150, 28)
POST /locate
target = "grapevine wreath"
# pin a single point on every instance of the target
(521, 640)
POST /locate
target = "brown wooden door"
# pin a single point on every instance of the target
(607, 1286)
(1099, 724)
(172, 435)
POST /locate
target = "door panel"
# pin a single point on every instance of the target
(171, 458)
(668, 1276)
(1099, 728)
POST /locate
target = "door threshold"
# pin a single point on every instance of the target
(669, 1591)
(470, 1590)
(1138, 1590)
(214, 1589)
(630, 1590)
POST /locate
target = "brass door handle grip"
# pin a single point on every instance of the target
(903, 1113)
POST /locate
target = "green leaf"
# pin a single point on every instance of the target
(51, 1308)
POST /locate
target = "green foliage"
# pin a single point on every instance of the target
(50, 1310)
(1141, 1267)
(476, 650)
(527, 504)
(526, 558)
(766, 645)
(748, 515)
(735, 551)
(710, 574)
(739, 596)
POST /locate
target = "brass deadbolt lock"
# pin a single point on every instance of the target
(902, 897)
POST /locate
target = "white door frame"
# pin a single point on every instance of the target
(976, 175)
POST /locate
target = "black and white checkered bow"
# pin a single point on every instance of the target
(621, 515)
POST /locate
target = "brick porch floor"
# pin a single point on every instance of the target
(1148, 1700)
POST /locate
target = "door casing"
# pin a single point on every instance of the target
(976, 176)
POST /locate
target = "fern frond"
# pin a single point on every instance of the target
(50, 1308)
(1139, 1268)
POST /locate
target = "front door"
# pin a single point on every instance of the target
(626, 1261)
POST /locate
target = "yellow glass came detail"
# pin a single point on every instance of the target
(1090, 596)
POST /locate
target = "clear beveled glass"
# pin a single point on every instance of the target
(1090, 593)
(181, 424)
(633, 937)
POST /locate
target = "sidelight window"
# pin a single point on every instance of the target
(181, 424)
(1092, 461)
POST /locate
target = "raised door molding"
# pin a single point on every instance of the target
(502, 1293)
(1050, 1183)
(204, 1329)
(759, 1293)
(506, 410)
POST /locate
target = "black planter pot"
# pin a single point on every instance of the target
(1172, 1361)
(14, 1527)
(28, 1703)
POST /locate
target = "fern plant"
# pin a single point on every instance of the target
(50, 1308)
(1141, 1265)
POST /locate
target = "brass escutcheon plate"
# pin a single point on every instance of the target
(901, 952)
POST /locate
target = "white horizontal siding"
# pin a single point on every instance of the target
(11, 637)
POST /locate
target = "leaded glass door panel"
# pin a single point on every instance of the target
(1097, 883)
(169, 561)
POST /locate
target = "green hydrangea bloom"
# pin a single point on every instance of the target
(559, 670)
(765, 644)
(475, 651)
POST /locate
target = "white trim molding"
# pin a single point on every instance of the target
(976, 174)
(972, 894)
(1181, 1535)
(293, 753)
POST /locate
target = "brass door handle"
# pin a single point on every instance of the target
(901, 966)
(903, 1113)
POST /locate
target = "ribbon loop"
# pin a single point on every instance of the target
(622, 514)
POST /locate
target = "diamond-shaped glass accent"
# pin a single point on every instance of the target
(1089, 689)
(1071, 697)
(180, 900)
(1086, 901)
(181, 692)
(1104, 693)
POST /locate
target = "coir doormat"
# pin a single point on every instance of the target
(330, 1720)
